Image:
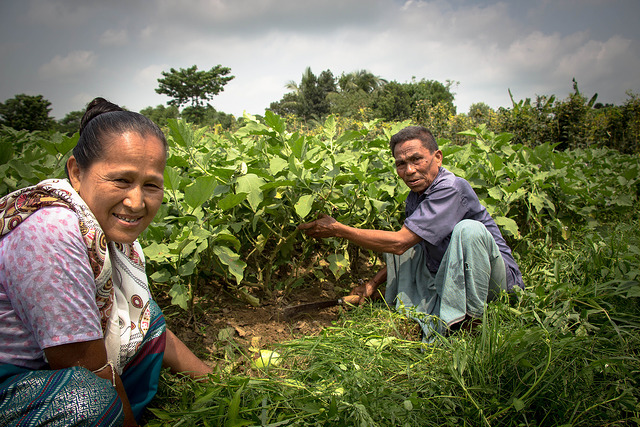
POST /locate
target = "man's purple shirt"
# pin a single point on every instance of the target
(434, 213)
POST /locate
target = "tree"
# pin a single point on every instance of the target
(313, 94)
(480, 112)
(392, 103)
(361, 80)
(192, 86)
(24, 112)
(288, 105)
(571, 116)
(160, 114)
(208, 116)
(70, 123)
(401, 101)
(307, 100)
(355, 93)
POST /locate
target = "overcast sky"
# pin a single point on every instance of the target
(71, 51)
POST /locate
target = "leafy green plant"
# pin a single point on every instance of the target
(27, 158)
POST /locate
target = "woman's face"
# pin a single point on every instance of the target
(124, 188)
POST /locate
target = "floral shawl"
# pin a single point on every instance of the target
(122, 291)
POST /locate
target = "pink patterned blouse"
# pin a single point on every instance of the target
(47, 288)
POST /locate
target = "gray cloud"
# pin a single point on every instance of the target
(69, 65)
(113, 37)
(119, 48)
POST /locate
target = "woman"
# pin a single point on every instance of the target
(81, 340)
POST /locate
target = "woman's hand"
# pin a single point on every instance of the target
(93, 356)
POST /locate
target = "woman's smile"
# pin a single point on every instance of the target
(124, 188)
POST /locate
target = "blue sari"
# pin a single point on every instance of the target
(77, 397)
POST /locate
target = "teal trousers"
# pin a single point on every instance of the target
(472, 273)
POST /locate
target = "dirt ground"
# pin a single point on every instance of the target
(221, 316)
(223, 325)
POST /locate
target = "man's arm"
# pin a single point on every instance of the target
(395, 242)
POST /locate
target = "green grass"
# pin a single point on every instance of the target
(566, 351)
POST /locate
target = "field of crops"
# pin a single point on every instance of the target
(565, 351)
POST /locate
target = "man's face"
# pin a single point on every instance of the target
(416, 165)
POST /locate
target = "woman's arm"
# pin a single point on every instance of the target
(180, 359)
(93, 356)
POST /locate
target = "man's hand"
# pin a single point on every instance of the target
(324, 226)
(364, 291)
(370, 289)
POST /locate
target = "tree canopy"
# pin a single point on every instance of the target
(188, 85)
(70, 123)
(361, 93)
(161, 114)
(25, 112)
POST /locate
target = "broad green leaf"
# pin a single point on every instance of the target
(536, 201)
(633, 291)
(178, 132)
(338, 264)
(6, 152)
(514, 186)
(64, 143)
(231, 260)
(518, 404)
(495, 193)
(188, 268)
(179, 296)
(186, 247)
(304, 204)
(226, 237)
(231, 200)
(250, 184)
(200, 191)
(157, 252)
(379, 205)
(329, 127)
(299, 147)
(277, 164)
(161, 276)
(171, 178)
(274, 121)
(496, 161)
(508, 225)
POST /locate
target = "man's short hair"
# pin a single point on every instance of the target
(414, 132)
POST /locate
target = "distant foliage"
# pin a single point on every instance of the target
(161, 114)
(188, 85)
(361, 94)
(70, 123)
(574, 122)
(25, 112)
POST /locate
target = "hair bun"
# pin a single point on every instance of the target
(96, 107)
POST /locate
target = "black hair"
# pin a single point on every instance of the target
(414, 132)
(103, 120)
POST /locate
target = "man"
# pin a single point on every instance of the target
(448, 259)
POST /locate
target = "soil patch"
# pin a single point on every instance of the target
(220, 317)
